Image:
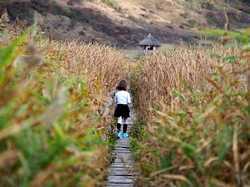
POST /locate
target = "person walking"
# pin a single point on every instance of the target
(122, 112)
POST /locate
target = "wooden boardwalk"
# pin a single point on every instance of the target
(121, 172)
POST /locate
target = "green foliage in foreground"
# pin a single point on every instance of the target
(48, 134)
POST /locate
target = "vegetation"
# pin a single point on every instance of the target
(192, 105)
(51, 130)
(111, 3)
(195, 107)
(241, 36)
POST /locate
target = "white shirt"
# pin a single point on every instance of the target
(122, 97)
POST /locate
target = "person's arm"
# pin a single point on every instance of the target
(129, 102)
(115, 99)
(129, 98)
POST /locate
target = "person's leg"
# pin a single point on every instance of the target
(125, 117)
(119, 127)
(125, 127)
(119, 124)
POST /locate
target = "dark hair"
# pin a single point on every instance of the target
(122, 85)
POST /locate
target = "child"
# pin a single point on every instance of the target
(122, 100)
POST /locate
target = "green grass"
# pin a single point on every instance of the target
(242, 36)
(111, 3)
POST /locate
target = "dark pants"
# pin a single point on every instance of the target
(122, 111)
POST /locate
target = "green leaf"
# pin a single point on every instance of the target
(246, 47)
(223, 142)
(8, 54)
(189, 150)
(166, 161)
(247, 109)
(178, 94)
(231, 59)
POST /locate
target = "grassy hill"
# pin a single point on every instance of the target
(125, 23)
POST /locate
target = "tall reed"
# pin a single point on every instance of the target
(51, 131)
(160, 74)
(196, 131)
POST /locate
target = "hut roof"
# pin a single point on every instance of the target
(150, 40)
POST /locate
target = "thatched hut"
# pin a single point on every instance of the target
(150, 43)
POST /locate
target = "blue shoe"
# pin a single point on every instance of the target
(120, 135)
(125, 135)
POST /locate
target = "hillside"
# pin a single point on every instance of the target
(124, 23)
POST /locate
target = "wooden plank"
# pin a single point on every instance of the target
(123, 173)
(123, 141)
(123, 159)
(120, 165)
(122, 151)
(122, 146)
(120, 179)
(119, 171)
(120, 162)
(124, 154)
(119, 185)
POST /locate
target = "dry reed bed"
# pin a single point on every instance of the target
(197, 131)
(103, 66)
(159, 74)
(99, 65)
(51, 132)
